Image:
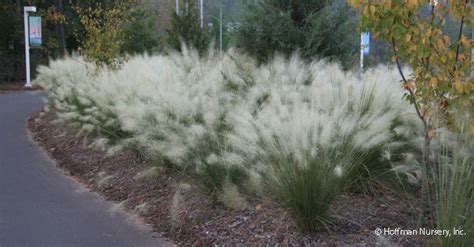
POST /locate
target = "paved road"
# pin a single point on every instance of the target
(39, 205)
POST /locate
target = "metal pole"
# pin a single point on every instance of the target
(202, 13)
(27, 9)
(361, 52)
(27, 49)
(177, 7)
(220, 29)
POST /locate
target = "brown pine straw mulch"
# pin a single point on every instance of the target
(194, 220)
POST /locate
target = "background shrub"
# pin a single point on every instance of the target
(317, 29)
(186, 28)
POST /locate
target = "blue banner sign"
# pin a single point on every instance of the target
(366, 42)
(34, 23)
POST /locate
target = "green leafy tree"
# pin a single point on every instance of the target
(440, 86)
(104, 34)
(331, 34)
(141, 34)
(63, 31)
(441, 82)
(317, 29)
(11, 62)
(267, 30)
(186, 28)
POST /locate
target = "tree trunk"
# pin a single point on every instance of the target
(62, 38)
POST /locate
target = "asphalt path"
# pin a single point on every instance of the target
(39, 205)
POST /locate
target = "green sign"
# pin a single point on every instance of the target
(34, 23)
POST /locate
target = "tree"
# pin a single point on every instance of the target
(186, 28)
(318, 29)
(441, 82)
(104, 34)
(267, 30)
(11, 62)
(141, 34)
(331, 34)
(12, 38)
(440, 85)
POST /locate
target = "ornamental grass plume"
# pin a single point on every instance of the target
(298, 132)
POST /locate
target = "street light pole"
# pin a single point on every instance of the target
(220, 28)
(177, 7)
(27, 9)
(202, 13)
(361, 53)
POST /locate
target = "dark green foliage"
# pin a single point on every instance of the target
(186, 29)
(141, 34)
(212, 173)
(268, 30)
(113, 132)
(331, 34)
(214, 176)
(10, 25)
(306, 191)
(11, 28)
(62, 32)
(317, 29)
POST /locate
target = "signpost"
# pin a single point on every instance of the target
(364, 48)
(202, 12)
(36, 36)
(220, 28)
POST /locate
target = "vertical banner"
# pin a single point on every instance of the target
(366, 42)
(35, 30)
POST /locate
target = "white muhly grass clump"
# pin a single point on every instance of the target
(316, 108)
(148, 173)
(231, 197)
(225, 110)
(453, 181)
(338, 171)
(117, 208)
(103, 180)
(178, 207)
(169, 104)
(78, 94)
(115, 149)
(141, 209)
(100, 143)
(177, 108)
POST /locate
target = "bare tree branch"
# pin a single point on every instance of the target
(410, 91)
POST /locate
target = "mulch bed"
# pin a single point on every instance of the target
(198, 221)
(6, 87)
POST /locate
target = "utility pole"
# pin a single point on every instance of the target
(177, 7)
(27, 9)
(60, 27)
(361, 53)
(202, 13)
(220, 28)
